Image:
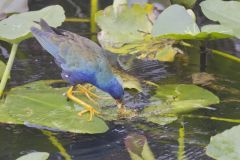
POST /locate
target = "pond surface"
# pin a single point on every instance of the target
(33, 63)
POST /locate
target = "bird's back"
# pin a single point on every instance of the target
(81, 59)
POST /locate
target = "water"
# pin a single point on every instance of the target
(33, 63)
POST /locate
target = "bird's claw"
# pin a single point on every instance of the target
(91, 111)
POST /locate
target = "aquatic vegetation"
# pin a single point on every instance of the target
(35, 156)
(133, 28)
(225, 145)
(16, 28)
(171, 101)
(223, 12)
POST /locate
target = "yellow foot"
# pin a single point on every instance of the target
(87, 91)
(91, 111)
(88, 107)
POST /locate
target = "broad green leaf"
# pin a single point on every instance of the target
(224, 12)
(174, 20)
(2, 69)
(127, 25)
(34, 156)
(185, 3)
(226, 145)
(39, 104)
(16, 28)
(171, 100)
(138, 147)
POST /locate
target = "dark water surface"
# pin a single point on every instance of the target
(33, 63)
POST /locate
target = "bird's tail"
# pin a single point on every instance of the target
(43, 36)
(44, 26)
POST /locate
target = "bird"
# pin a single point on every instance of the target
(82, 62)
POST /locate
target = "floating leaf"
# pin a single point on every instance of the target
(226, 145)
(17, 27)
(171, 100)
(35, 156)
(169, 25)
(174, 20)
(128, 25)
(224, 12)
(2, 69)
(138, 147)
(39, 104)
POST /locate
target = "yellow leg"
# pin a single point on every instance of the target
(88, 107)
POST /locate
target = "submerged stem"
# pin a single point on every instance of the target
(8, 68)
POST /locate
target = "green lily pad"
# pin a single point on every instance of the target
(39, 104)
(169, 25)
(2, 69)
(16, 28)
(175, 20)
(128, 25)
(226, 145)
(171, 100)
(34, 156)
(224, 12)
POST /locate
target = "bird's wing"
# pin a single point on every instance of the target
(71, 51)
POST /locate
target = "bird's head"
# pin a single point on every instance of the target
(115, 89)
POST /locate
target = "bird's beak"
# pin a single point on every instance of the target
(119, 103)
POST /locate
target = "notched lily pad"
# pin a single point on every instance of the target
(168, 26)
(171, 100)
(225, 145)
(224, 12)
(16, 28)
(41, 105)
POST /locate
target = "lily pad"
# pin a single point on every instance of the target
(39, 104)
(34, 156)
(171, 100)
(224, 12)
(226, 145)
(16, 28)
(2, 69)
(175, 20)
(128, 25)
(168, 25)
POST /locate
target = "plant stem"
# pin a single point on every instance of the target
(8, 68)
(57, 144)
